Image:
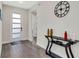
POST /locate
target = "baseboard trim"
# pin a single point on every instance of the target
(14, 41)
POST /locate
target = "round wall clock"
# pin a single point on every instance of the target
(61, 9)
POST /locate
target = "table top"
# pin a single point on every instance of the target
(62, 39)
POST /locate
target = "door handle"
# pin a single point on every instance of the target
(21, 28)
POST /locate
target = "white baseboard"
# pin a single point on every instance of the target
(41, 46)
(11, 41)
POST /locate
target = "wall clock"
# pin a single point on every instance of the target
(61, 9)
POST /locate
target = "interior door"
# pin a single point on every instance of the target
(34, 27)
(16, 27)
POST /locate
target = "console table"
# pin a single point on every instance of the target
(60, 42)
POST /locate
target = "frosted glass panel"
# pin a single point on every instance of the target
(16, 30)
(16, 20)
(16, 15)
(16, 36)
(16, 25)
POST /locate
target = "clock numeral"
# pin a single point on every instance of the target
(60, 3)
(65, 3)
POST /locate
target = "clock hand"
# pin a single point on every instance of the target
(61, 9)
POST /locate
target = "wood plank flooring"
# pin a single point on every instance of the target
(24, 49)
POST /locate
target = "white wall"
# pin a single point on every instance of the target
(47, 19)
(7, 17)
(0, 31)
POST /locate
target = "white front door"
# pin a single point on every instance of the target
(16, 27)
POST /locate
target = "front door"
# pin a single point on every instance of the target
(16, 27)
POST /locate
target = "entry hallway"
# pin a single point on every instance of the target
(23, 49)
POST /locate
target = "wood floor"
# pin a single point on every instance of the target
(24, 49)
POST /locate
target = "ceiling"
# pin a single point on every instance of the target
(21, 4)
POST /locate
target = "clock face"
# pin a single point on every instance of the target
(61, 9)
